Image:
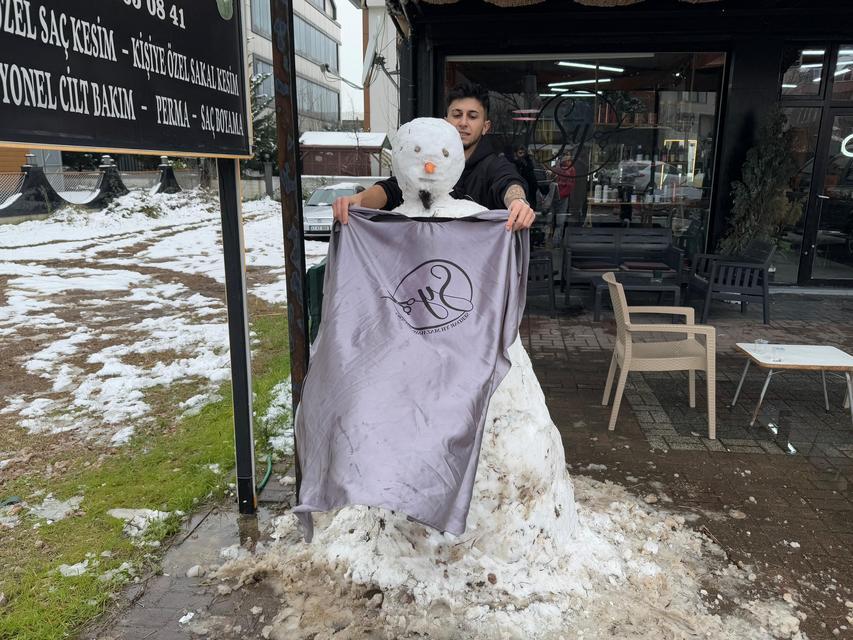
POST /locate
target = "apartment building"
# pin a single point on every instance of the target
(381, 90)
(317, 35)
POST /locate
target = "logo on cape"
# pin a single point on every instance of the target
(434, 296)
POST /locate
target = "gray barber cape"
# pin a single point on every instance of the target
(418, 316)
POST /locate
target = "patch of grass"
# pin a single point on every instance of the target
(274, 360)
(164, 470)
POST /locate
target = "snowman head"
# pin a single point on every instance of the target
(428, 160)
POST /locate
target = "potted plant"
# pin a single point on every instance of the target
(762, 205)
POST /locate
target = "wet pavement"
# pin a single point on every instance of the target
(789, 517)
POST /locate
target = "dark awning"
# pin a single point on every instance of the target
(588, 3)
(401, 11)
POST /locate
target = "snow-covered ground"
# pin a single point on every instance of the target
(98, 307)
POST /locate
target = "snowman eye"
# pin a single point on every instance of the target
(417, 149)
(445, 152)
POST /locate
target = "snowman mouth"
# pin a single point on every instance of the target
(426, 198)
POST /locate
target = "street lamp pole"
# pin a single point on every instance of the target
(287, 130)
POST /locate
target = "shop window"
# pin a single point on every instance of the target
(842, 77)
(802, 70)
(635, 133)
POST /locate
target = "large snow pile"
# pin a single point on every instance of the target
(633, 571)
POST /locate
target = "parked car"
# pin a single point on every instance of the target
(317, 211)
(637, 174)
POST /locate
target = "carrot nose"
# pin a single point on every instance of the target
(429, 167)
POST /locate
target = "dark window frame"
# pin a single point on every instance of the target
(259, 58)
(315, 42)
(255, 25)
(315, 114)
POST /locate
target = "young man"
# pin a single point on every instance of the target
(488, 179)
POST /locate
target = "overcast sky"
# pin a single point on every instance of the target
(351, 58)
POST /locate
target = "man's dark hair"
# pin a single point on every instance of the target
(469, 90)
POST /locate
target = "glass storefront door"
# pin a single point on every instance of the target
(817, 100)
(804, 123)
(830, 251)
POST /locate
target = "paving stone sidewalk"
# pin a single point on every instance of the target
(790, 516)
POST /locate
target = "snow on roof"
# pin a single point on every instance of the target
(343, 139)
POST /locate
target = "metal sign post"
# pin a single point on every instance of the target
(238, 331)
(142, 76)
(291, 198)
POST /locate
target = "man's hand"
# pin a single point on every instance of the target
(341, 205)
(521, 215)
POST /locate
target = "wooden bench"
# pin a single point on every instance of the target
(590, 252)
(743, 278)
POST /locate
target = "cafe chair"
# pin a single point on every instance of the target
(689, 354)
(540, 278)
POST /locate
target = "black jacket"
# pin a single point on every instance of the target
(485, 179)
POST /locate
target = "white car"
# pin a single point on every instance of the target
(317, 211)
(638, 174)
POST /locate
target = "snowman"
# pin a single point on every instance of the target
(522, 508)
(513, 572)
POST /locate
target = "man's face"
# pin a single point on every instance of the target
(469, 118)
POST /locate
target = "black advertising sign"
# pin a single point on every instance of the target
(155, 76)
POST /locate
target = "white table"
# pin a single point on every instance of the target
(777, 358)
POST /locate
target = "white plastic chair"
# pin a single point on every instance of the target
(678, 355)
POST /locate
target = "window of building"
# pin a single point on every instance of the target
(616, 139)
(316, 101)
(802, 70)
(842, 77)
(261, 67)
(313, 44)
(326, 6)
(261, 18)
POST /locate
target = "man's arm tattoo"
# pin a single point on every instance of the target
(513, 192)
